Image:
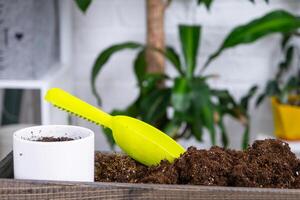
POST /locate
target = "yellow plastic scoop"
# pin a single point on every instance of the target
(138, 139)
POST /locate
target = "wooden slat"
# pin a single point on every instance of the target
(21, 189)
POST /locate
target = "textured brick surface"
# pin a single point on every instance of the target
(108, 22)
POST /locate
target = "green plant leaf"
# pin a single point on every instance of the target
(245, 99)
(140, 66)
(245, 138)
(173, 57)
(226, 103)
(271, 89)
(292, 84)
(187, 117)
(83, 5)
(278, 21)
(189, 38)
(224, 137)
(289, 56)
(285, 65)
(285, 39)
(202, 106)
(196, 129)
(224, 97)
(151, 81)
(103, 58)
(132, 110)
(180, 97)
(154, 106)
(207, 3)
(260, 99)
(191, 102)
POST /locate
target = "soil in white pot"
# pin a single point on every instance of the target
(54, 139)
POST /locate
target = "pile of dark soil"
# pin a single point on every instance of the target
(268, 163)
(118, 168)
(54, 139)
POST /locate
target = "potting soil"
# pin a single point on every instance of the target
(268, 163)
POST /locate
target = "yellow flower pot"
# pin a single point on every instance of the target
(286, 120)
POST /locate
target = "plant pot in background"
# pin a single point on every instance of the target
(64, 160)
(286, 120)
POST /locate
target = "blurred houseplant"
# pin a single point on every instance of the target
(284, 91)
(194, 104)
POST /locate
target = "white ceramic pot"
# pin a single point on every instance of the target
(64, 160)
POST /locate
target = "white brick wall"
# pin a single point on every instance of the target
(109, 22)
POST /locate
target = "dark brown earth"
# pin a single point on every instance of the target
(54, 139)
(117, 168)
(268, 163)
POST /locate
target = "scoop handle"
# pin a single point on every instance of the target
(76, 106)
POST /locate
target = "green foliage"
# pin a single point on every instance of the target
(278, 21)
(83, 5)
(208, 3)
(226, 105)
(284, 84)
(189, 95)
(173, 57)
(189, 38)
(103, 58)
(196, 106)
(202, 106)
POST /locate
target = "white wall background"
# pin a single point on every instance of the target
(108, 22)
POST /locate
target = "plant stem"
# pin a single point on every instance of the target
(155, 34)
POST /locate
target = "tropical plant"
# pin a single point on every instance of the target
(285, 83)
(194, 105)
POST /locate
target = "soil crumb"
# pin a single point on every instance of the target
(54, 139)
(267, 163)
